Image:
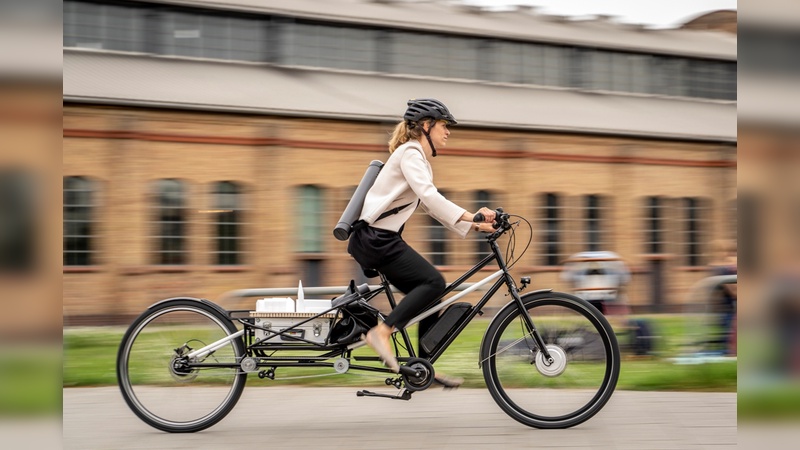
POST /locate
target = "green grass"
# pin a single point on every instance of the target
(655, 375)
(90, 355)
(30, 380)
(775, 400)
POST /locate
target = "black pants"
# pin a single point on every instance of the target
(406, 269)
(421, 283)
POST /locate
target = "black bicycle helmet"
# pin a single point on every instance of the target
(421, 108)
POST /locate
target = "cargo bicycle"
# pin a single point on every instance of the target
(549, 359)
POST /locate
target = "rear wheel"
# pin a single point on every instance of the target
(558, 394)
(157, 378)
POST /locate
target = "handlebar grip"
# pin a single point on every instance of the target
(478, 217)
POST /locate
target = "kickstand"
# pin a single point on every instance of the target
(405, 394)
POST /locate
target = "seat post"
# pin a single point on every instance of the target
(388, 287)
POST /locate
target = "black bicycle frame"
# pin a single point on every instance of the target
(506, 279)
(330, 351)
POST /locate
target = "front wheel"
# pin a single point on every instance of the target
(560, 393)
(162, 385)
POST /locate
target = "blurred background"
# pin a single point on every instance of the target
(211, 146)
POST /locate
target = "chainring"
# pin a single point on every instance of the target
(424, 381)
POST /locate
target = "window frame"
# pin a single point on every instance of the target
(89, 220)
(160, 232)
(227, 213)
(310, 219)
(551, 227)
(694, 217)
(481, 247)
(75, 20)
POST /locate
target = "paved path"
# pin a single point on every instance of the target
(334, 418)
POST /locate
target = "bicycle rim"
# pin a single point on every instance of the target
(179, 400)
(566, 392)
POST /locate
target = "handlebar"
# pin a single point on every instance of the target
(502, 225)
(500, 220)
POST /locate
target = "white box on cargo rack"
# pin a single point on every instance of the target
(315, 330)
(313, 306)
(276, 305)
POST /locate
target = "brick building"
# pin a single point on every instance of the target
(211, 146)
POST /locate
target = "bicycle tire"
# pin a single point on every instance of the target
(174, 400)
(573, 388)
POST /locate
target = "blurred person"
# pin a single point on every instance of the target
(405, 182)
(785, 320)
(725, 263)
(599, 278)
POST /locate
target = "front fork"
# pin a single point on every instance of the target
(512, 289)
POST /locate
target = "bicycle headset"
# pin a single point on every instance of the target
(423, 108)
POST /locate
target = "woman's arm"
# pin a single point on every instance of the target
(417, 174)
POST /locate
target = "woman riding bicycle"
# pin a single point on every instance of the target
(405, 181)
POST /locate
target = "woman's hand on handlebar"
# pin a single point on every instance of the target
(483, 227)
(484, 215)
(494, 221)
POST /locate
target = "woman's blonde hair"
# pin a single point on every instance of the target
(403, 132)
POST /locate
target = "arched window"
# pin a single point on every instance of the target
(482, 247)
(654, 224)
(310, 219)
(593, 219)
(79, 221)
(170, 222)
(227, 222)
(732, 228)
(551, 220)
(310, 227)
(438, 239)
(695, 215)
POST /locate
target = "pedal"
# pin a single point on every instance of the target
(405, 394)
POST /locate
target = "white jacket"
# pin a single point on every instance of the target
(405, 178)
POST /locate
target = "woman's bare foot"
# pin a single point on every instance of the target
(378, 339)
